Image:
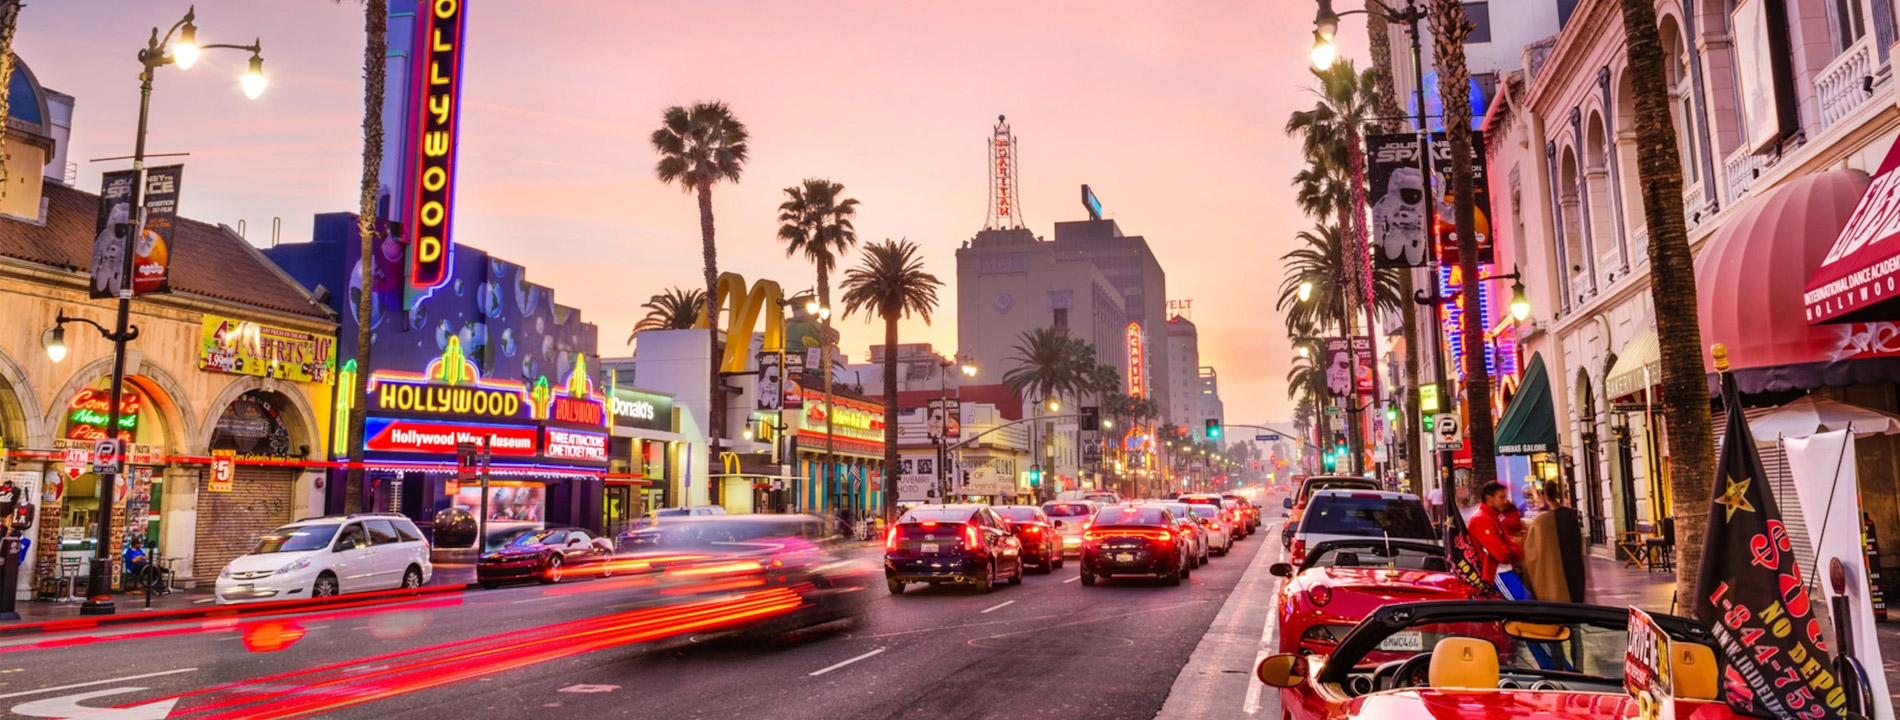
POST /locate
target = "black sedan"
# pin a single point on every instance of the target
(548, 556)
(936, 544)
(1042, 545)
(1134, 540)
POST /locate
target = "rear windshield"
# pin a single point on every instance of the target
(1367, 516)
(938, 515)
(1202, 500)
(1205, 511)
(1063, 510)
(1129, 516)
(1180, 511)
(1318, 484)
(1018, 514)
(296, 539)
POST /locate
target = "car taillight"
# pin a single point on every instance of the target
(1299, 551)
(1320, 596)
(969, 535)
(1091, 536)
(890, 540)
(1032, 530)
(1167, 536)
(1207, 523)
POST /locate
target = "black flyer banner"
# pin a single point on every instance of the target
(111, 231)
(1480, 199)
(1397, 194)
(1462, 552)
(1753, 597)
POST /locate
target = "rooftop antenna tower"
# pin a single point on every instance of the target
(1005, 211)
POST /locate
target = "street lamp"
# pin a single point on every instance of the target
(1306, 290)
(1322, 53)
(1055, 405)
(1520, 305)
(1326, 23)
(158, 52)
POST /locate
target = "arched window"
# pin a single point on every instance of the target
(1682, 99)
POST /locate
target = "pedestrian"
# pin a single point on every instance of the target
(1437, 500)
(1553, 550)
(1499, 553)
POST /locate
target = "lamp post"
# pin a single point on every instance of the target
(968, 367)
(158, 52)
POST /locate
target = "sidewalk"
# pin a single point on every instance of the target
(132, 603)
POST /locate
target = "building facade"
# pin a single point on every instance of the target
(1184, 379)
(1132, 270)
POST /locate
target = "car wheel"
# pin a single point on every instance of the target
(1088, 579)
(1187, 572)
(554, 572)
(1173, 579)
(412, 578)
(325, 587)
(1059, 560)
(988, 583)
(607, 566)
(489, 585)
(1017, 579)
(896, 587)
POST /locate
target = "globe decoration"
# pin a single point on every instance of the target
(454, 528)
(1434, 107)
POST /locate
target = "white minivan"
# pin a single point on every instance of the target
(326, 556)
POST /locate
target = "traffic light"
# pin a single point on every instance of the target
(1035, 476)
(1391, 414)
(1213, 428)
(1430, 421)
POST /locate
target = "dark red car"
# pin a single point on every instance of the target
(1042, 544)
(1340, 582)
(547, 556)
(1134, 540)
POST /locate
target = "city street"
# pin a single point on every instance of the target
(1047, 648)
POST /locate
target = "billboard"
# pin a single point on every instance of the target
(1342, 378)
(1399, 212)
(435, 118)
(146, 264)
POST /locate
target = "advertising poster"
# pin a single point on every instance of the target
(151, 256)
(110, 233)
(794, 367)
(917, 478)
(1341, 377)
(945, 419)
(223, 470)
(242, 347)
(770, 388)
(1399, 212)
(1480, 199)
(1646, 668)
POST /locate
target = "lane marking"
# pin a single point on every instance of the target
(96, 682)
(997, 607)
(847, 662)
(68, 707)
(1073, 579)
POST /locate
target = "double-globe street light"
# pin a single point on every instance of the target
(158, 52)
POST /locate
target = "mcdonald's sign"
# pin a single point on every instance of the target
(729, 463)
(747, 308)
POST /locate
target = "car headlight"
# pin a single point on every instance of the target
(294, 566)
(225, 573)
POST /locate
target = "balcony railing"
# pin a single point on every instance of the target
(1741, 170)
(1842, 86)
(1695, 206)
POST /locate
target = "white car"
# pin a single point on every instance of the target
(322, 557)
(1361, 514)
(1069, 517)
(1219, 524)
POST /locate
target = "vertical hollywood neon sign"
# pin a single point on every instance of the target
(437, 88)
(1137, 362)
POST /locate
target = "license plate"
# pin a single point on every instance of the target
(927, 548)
(1125, 557)
(1404, 641)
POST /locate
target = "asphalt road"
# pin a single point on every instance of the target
(1046, 648)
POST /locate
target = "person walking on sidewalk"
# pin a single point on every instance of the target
(1499, 551)
(1553, 550)
(1436, 498)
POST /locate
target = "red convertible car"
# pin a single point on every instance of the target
(1340, 582)
(1551, 660)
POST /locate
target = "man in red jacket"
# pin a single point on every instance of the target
(1488, 531)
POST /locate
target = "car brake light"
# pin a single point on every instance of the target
(890, 540)
(930, 523)
(1366, 496)
(969, 535)
(1299, 550)
(1032, 530)
(1320, 596)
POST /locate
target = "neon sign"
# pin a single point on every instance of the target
(578, 405)
(1137, 362)
(451, 386)
(1452, 316)
(87, 415)
(421, 436)
(437, 84)
(572, 445)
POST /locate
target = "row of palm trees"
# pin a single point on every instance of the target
(1332, 189)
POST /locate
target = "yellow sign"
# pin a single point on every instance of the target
(1428, 398)
(223, 470)
(745, 310)
(242, 347)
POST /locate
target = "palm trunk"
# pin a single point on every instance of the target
(715, 399)
(890, 414)
(1355, 420)
(1387, 106)
(1449, 28)
(1685, 391)
(824, 353)
(375, 54)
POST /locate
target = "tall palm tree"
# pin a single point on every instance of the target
(699, 146)
(817, 220)
(891, 282)
(1672, 290)
(1386, 105)
(674, 309)
(375, 53)
(1318, 262)
(1449, 28)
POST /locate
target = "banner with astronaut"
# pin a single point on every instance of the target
(1397, 192)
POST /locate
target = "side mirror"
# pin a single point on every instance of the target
(1284, 570)
(1286, 502)
(1281, 671)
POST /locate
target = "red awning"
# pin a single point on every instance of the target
(1749, 281)
(1859, 274)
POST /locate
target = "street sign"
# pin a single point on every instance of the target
(105, 454)
(1450, 431)
(1332, 409)
(1428, 398)
(1266, 438)
(75, 463)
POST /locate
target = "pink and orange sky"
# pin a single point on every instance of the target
(1171, 111)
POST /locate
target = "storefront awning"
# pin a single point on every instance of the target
(1859, 277)
(1636, 368)
(1529, 424)
(1750, 277)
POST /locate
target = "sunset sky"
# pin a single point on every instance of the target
(1171, 111)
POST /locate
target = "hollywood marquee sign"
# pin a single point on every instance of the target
(437, 87)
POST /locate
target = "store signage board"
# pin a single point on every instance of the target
(223, 470)
(404, 435)
(644, 410)
(243, 347)
(87, 414)
(1137, 361)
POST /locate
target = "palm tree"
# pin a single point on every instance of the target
(675, 309)
(817, 220)
(1318, 263)
(1047, 366)
(891, 282)
(1386, 105)
(699, 146)
(375, 52)
(1672, 290)
(1449, 28)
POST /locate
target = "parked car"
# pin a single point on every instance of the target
(1296, 502)
(1355, 514)
(1200, 549)
(1069, 517)
(548, 556)
(938, 544)
(1340, 582)
(1042, 546)
(1220, 527)
(1131, 539)
(327, 556)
